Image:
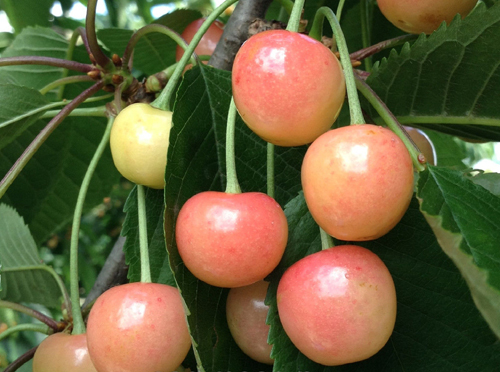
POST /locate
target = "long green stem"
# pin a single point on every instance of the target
(78, 324)
(232, 187)
(163, 100)
(326, 240)
(270, 170)
(30, 312)
(143, 235)
(101, 59)
(295, 16)
(100, 111)
(41, 328)
(352, 94)
(339, 9)
(42, 137)
(287, 5)
(391, 121)
(147, 30)
(63, 81)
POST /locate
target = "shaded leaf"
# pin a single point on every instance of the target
(490, 181)
(23, 275)
(447, 81)
(466, 220)
(23, 13)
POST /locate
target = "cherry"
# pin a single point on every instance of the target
(139, 143)
(62, 352)
(246, 315)
(138, 327)
(357, 181)
(338, 306)
(231, 240)
(208, 42)
(425, 16)
(424, 144)
(288, 87)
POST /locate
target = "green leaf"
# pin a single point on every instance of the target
(466, 220)
(159, 265)
(447, 81)
(23, 275)
(155, 51)
(437, 329)
(23, 13)
(448, 152)
(490, 181)
(46, 190)
(19, 108)
(34, 41)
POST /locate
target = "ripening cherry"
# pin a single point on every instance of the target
(357, 181)
(246, 315)
(425, 16)
(138, 327)
(338, 305)
(231, 240)
(62, 352)
(208, 42)
(288, 87)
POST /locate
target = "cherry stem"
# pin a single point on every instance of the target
(326, 240)
(366, 17)
(100, 111)
(391, 121)
(40, 328)
(287, 5)
(150, 29)
(295, 16)
(101, 59)
(163, 100)
(30, 312)
(270, 170)
(79, 32)
(232, 187)
(46, 61)
(386, 44)
(352, 93)
(63, 81)
(78, 324)
(339, 9)
(143, 236)
(43, 135)
(19, 362)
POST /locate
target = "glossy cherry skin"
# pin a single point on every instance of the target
(231, 240)
(246, 315)
(208, 42)
(139, 142)
(417, 16)
(138, 327)
(357, 181)
(62, 352)
(287, 87)
(338, 306)
(423, 143)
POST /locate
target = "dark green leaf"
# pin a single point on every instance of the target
(447, 81)
(466, 220)
(23, 276)
(438, 328)
(23, 13)
(448, 152)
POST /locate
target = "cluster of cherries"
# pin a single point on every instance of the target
(338, 305)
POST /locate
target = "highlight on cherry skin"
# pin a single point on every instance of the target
(423, 143)
(139, 142)
(338, 305)
(424, 16)
(231, 240)
(138, 327)
(62, 352)
(246, 315)
(287, 87)
(357, 181)
(208, 42)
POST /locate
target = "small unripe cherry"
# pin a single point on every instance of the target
(139, 142)
(357, 181)
(425, 16)
(246, 315)
(338, 305)
(287, 87)
(62, 352)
